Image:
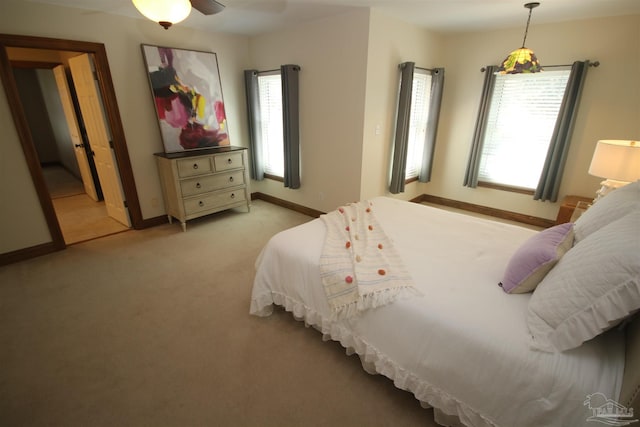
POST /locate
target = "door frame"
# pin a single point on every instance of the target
(112, 113)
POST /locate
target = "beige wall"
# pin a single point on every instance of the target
(349, 87)
(332, 54)
(609, 108)
(122, 37)
(22, 224)
(391, 42)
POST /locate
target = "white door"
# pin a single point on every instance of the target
(98, 133)
(74, 131)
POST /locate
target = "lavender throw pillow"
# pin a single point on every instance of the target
(535, 258)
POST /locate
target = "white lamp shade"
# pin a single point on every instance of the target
(616, 159)
(172, 11)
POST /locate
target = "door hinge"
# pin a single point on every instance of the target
(126, 205)
(111, 144)
(95, 75)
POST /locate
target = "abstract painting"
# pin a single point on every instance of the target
(187, 95)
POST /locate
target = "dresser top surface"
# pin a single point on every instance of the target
(201, 152)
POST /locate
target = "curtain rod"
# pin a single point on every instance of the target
(269, 71)
(431, 70)
(425, 69)
(591, 64)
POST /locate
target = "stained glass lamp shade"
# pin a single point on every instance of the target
(522, 60)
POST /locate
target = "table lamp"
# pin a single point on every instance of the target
(618, 161)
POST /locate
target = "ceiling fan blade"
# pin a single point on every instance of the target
(207, 7)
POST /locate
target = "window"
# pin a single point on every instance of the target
(520, 122)
(420, 96)
(274, 124)
(419, 99)
(532, 118)
(270, 122)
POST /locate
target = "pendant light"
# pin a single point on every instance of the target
(164, 12)
(522, 60)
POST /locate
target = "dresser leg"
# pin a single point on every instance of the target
(170, 219)
(184, 226)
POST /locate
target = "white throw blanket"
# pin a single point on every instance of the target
(359, 266)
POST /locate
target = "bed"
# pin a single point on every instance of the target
(462, 344)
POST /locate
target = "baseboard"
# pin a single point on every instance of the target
(286, 204)
(46, 248)
(485, 210)
(28, 253)
(153, 222)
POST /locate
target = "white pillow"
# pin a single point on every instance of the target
(594, 286)
(613, 206)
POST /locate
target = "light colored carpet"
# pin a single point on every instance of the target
(151, 328)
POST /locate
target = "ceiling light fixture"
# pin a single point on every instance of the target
(164, 12)
(522, 60)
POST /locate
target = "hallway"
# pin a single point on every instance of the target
(80, 217)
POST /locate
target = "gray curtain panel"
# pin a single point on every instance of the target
(291, 125)
(399, 165)
(256, 168)
(437, 85)
(473, 164)
(553, 168)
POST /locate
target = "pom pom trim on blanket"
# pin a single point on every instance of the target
(359, 266)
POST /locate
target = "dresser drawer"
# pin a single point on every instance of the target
(213, 201)
(208, 183)
(195, 166)
(229, 161)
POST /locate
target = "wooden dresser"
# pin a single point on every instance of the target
(202, 182)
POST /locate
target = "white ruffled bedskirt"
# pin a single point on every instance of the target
(447, 410)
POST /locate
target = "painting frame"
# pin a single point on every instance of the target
(186, 91)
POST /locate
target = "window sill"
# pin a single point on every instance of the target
(274, 177)
(503, 187)
(410, 180)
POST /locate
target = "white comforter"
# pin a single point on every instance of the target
(462, 347)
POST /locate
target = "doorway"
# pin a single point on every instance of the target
(53, 52)
(64, 150)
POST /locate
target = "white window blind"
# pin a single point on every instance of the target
(420, 97)
(522, 115)
(270, 93)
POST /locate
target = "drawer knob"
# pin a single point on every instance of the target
(233, 195)
(229, 161)
(198, 185)
(230, 179)
(195, 166)
(200, 203)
